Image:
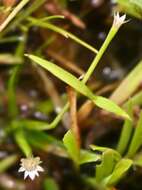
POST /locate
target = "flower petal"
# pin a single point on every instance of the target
(26, 174)
(118, 20)
(32, 174)
(40, 169)
(21, 169)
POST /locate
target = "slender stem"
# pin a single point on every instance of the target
(66, 34)
(136, 141)
(10, 39)
(126, 131)
(13, 14)
(23, 15)
(110, 36)
(12, 107)
(99, 55)
(58, 118)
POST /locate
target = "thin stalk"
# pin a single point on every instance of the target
(58, 118)
(13, 14)
(66, 34)
(12, 107)
(10, 39)
(93, 65)
(23, 15)
(99, 55)
(137, 139)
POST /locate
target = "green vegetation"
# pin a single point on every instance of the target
(50, 122)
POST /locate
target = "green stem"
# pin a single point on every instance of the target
(99, 55)
(66, 34)
(110, 36)
(59, 116)
(137, 139)
(10, 39)
(126, 132)
(12, 107)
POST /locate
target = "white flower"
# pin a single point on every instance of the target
(30, 166)
(119, 20)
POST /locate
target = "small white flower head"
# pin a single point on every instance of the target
(118, 20)
(30, 166)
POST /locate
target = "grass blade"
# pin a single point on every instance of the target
(126, 132)
(106, 167)
(71, 145)
(137, 139)
(120, 169)
(39, 22)
(13, 14)
(128, 85)
(109, 158)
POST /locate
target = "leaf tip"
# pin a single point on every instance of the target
(26, 55)
(126, 116)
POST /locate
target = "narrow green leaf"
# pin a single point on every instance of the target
(120, 169)
(45, 142)
(39, 22)
(129, 85)
(126, 131)
(136, 139)
(12, 106)
(109, 105)
(35, 125)
(107, 165)
(71, 146)
(132, 7)
(79, 86)
(88, 156)
(10, 39)
(52, 17)
(22, 142)
(109, 158)
(98, 148)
